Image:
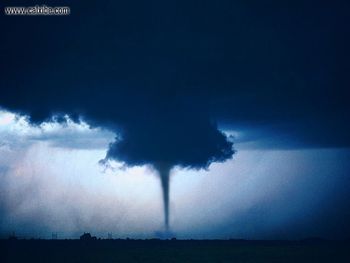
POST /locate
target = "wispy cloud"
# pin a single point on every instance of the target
(16, 130)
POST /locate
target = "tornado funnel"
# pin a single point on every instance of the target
(164, 175)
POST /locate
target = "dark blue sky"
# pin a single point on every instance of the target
(170, 76)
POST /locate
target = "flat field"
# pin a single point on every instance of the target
(183, 251)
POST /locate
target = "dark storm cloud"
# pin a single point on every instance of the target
(184, 140)
(246, 63)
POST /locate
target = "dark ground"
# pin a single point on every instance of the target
(173, 251)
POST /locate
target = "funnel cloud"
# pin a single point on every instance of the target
(164, 175)
(171, 140)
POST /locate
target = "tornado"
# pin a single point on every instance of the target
(164, 176)
(163, 142)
